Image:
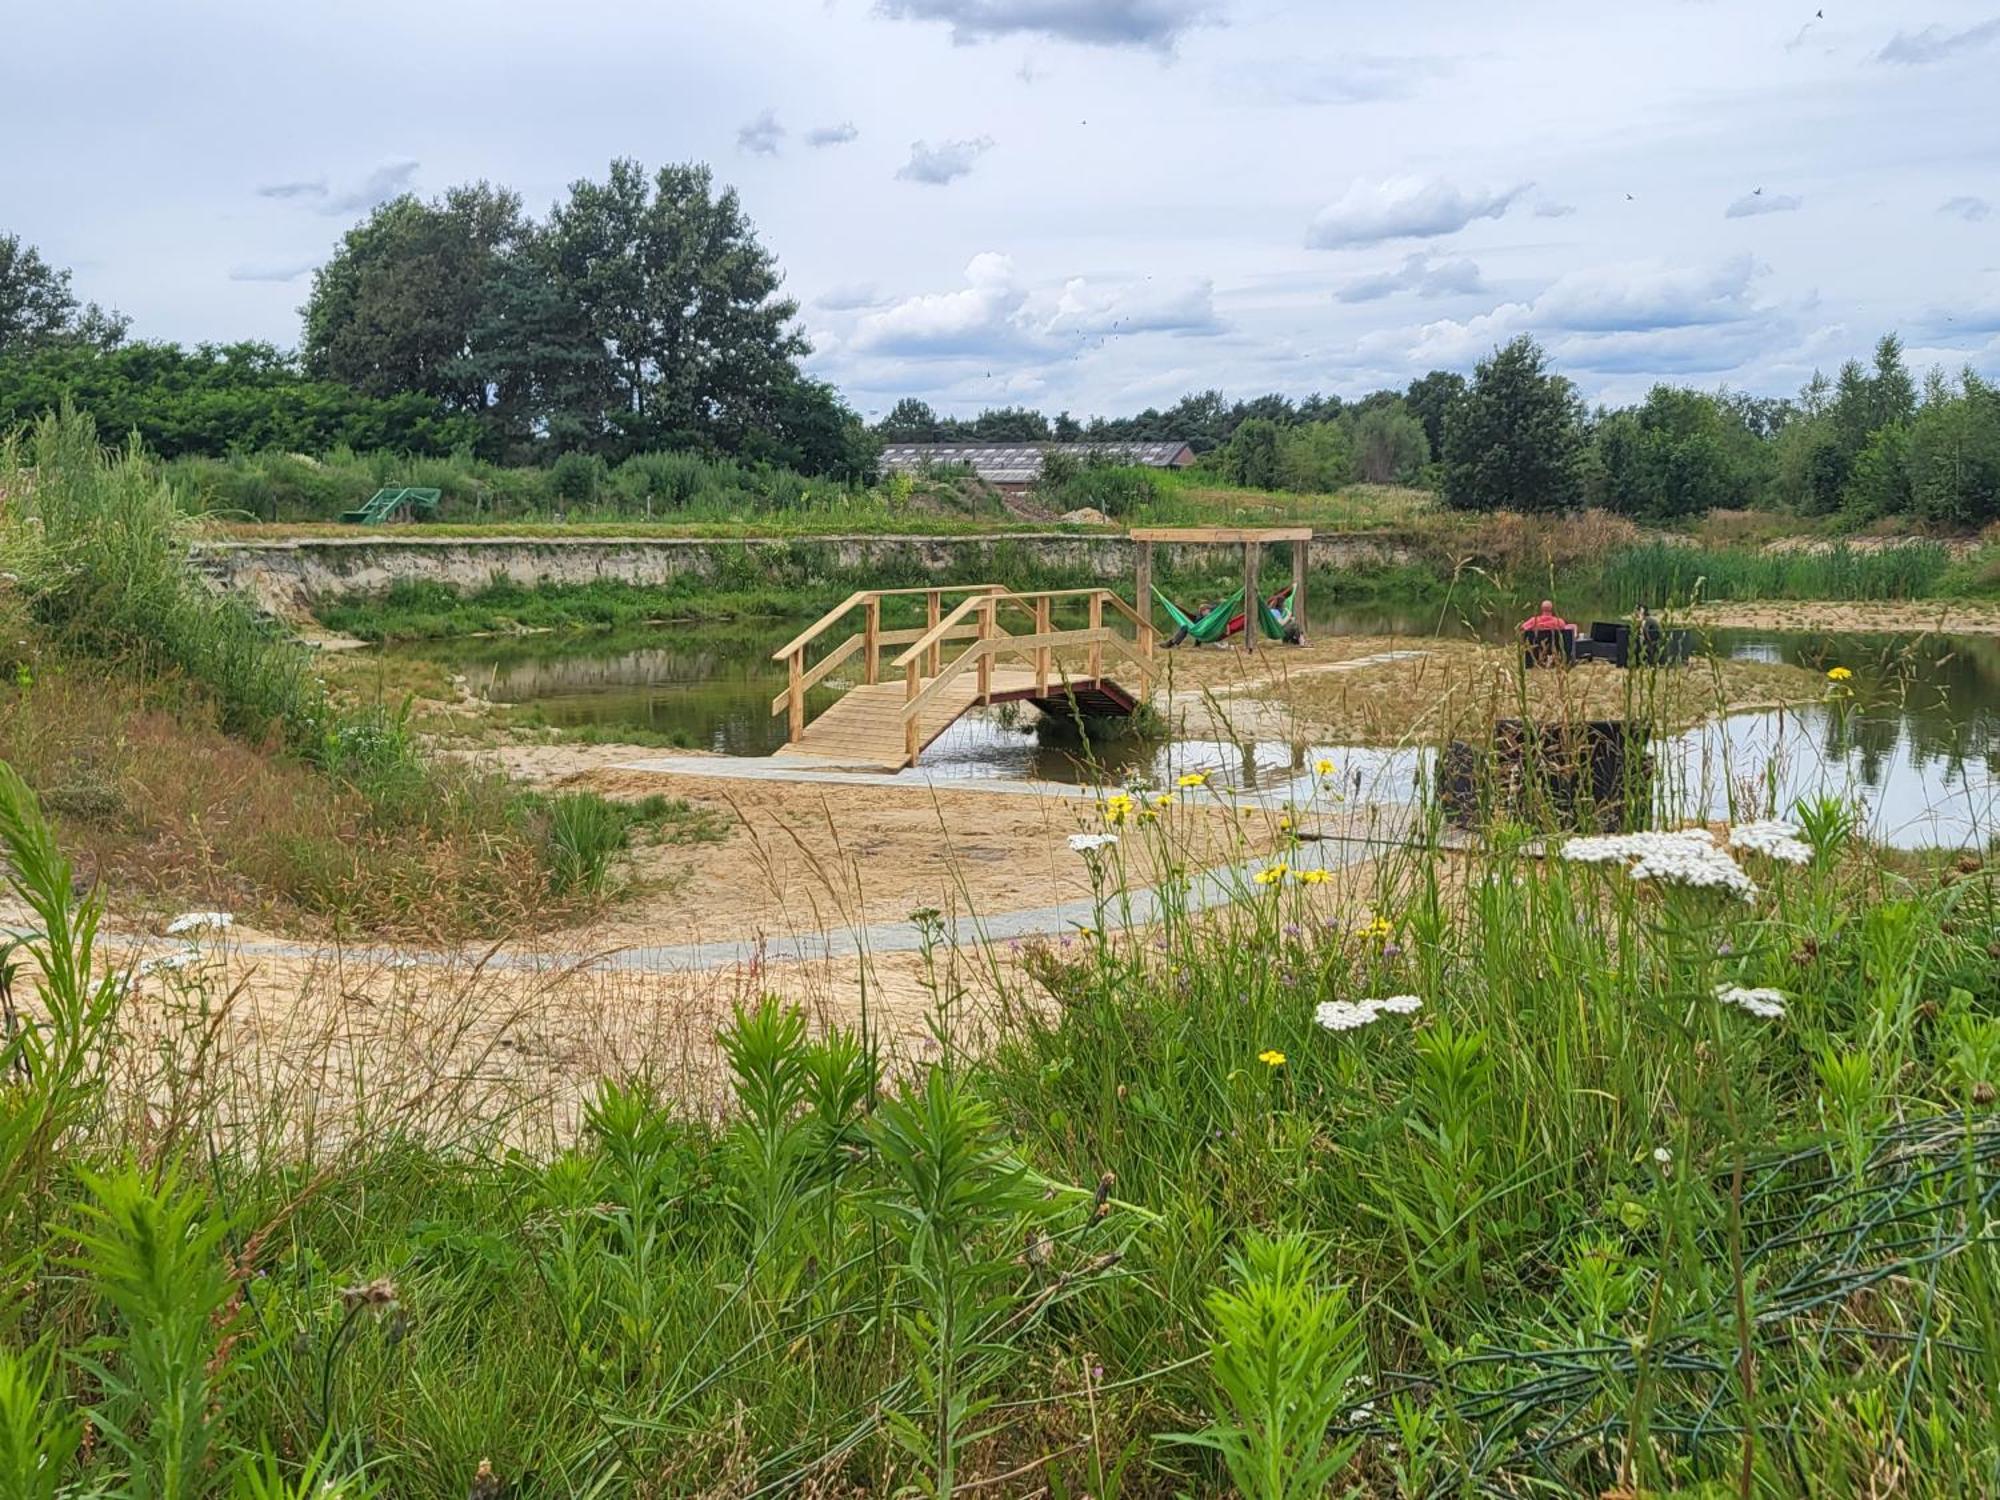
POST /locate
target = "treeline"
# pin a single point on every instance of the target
(641, 315)
(1866, 445)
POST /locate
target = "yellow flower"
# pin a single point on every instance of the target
(1377, 928)
(1164, 799)
(1322, 767)
(1194, 778)
(1271, 875)
(1285, 824)
(1314, 877)
(1838, 674)
(1117, 808)
(1271, 1057)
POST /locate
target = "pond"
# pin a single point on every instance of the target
(1918, 749)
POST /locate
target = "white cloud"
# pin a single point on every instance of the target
(945, 162)
(1935, 44)
(832, 135)
(851, 297)
(1108, 23)
(1114, 309)
(270, 271)
(1424, 274)
(390, 180)
(1403, 208)
(1966, 207)
(313, 188)
(979, 318)
(1750, 205)
(762, 136)
(1548, 210)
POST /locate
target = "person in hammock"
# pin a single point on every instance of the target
(1200, 613)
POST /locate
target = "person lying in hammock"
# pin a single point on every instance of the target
(1200, 613)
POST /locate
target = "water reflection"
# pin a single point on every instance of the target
(1918, 748)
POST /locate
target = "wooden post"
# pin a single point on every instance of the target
(1251, 558)
(1299, 551)
(795, 702)
(986, 655)
(1042, 651)
(1097, 647)
(871, 640)
(1142, 591)
(912, 737)
(934, 612)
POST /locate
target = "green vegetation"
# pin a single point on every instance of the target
(1656, 571)
(121, 669)
(1562, 1219)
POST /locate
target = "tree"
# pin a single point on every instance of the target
(1252, 457)
(1954, 453)
(1514, 441)
(397, 307)
(1430, 398)
(1007, 424)
(1313, 460)
(1389, 444)
(1679, 453)
(671, 281)
(910, 421)
(38, 309)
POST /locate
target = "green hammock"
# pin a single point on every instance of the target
(1271, 622)
(1212, 625)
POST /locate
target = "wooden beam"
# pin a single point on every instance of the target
(1299, 551)
(1252, 557)
(1195, 535)
(1142, 585)
(1096, 623)
(871, 641)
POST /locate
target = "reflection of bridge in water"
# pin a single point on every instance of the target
(995, 646)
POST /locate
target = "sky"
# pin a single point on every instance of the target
(1087, 205)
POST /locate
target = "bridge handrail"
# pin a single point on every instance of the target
(818, 627)
(937, 632)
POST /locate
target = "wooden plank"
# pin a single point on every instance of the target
(1195, 535)
(1299, 551)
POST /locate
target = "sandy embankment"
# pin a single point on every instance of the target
(1957, 617)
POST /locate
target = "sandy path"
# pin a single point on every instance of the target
(1951, 618)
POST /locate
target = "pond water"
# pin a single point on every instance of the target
(1918, 749)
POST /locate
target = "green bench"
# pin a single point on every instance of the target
(386, 504)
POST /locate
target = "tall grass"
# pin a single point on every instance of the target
(1567, 1224)
(1660, 572)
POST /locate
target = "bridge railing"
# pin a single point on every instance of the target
(970, 636)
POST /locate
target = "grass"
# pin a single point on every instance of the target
(1186, 498)
(123, 671)
(1565, 1223)
(1657, 572)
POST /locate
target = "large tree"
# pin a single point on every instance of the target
(671, 281)
(1430, 399)
(1515, 440)
(38, 309)
(397, 307)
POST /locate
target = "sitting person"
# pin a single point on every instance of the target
(1548, 619)
(1200, 613)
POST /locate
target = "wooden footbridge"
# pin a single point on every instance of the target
(996, 645)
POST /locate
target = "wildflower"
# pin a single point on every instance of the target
(1164, 799)
(1772, 839)
(1314, 877)
(1285, 823)
(1377, 928)
(161, 962)
(199, 921)
(377, 1296)
(1089, 843)
(1839, 674)
(1767, 1004)
(1271, 1057)
(1271, 875)
(1398, 1005)
(1687, 856)
(1193, 778)
(1117, 808)
(1340, 1015)
(1322, 767)
(1662, 1156)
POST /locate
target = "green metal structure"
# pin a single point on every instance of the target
(385, 505)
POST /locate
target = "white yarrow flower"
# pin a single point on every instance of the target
(1663, 1156)
(1769, 1004)
(161, 962)
(1773, 839)
(1686, 856)
(199, 921)
(1339, 1015)
(1088, 843)
(1398, 1005)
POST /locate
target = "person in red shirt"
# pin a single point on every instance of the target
(1548, 619)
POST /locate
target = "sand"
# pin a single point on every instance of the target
(1835, 616)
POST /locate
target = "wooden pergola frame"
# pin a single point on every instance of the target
(1251, 539)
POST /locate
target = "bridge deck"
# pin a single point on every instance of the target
(864, 727)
